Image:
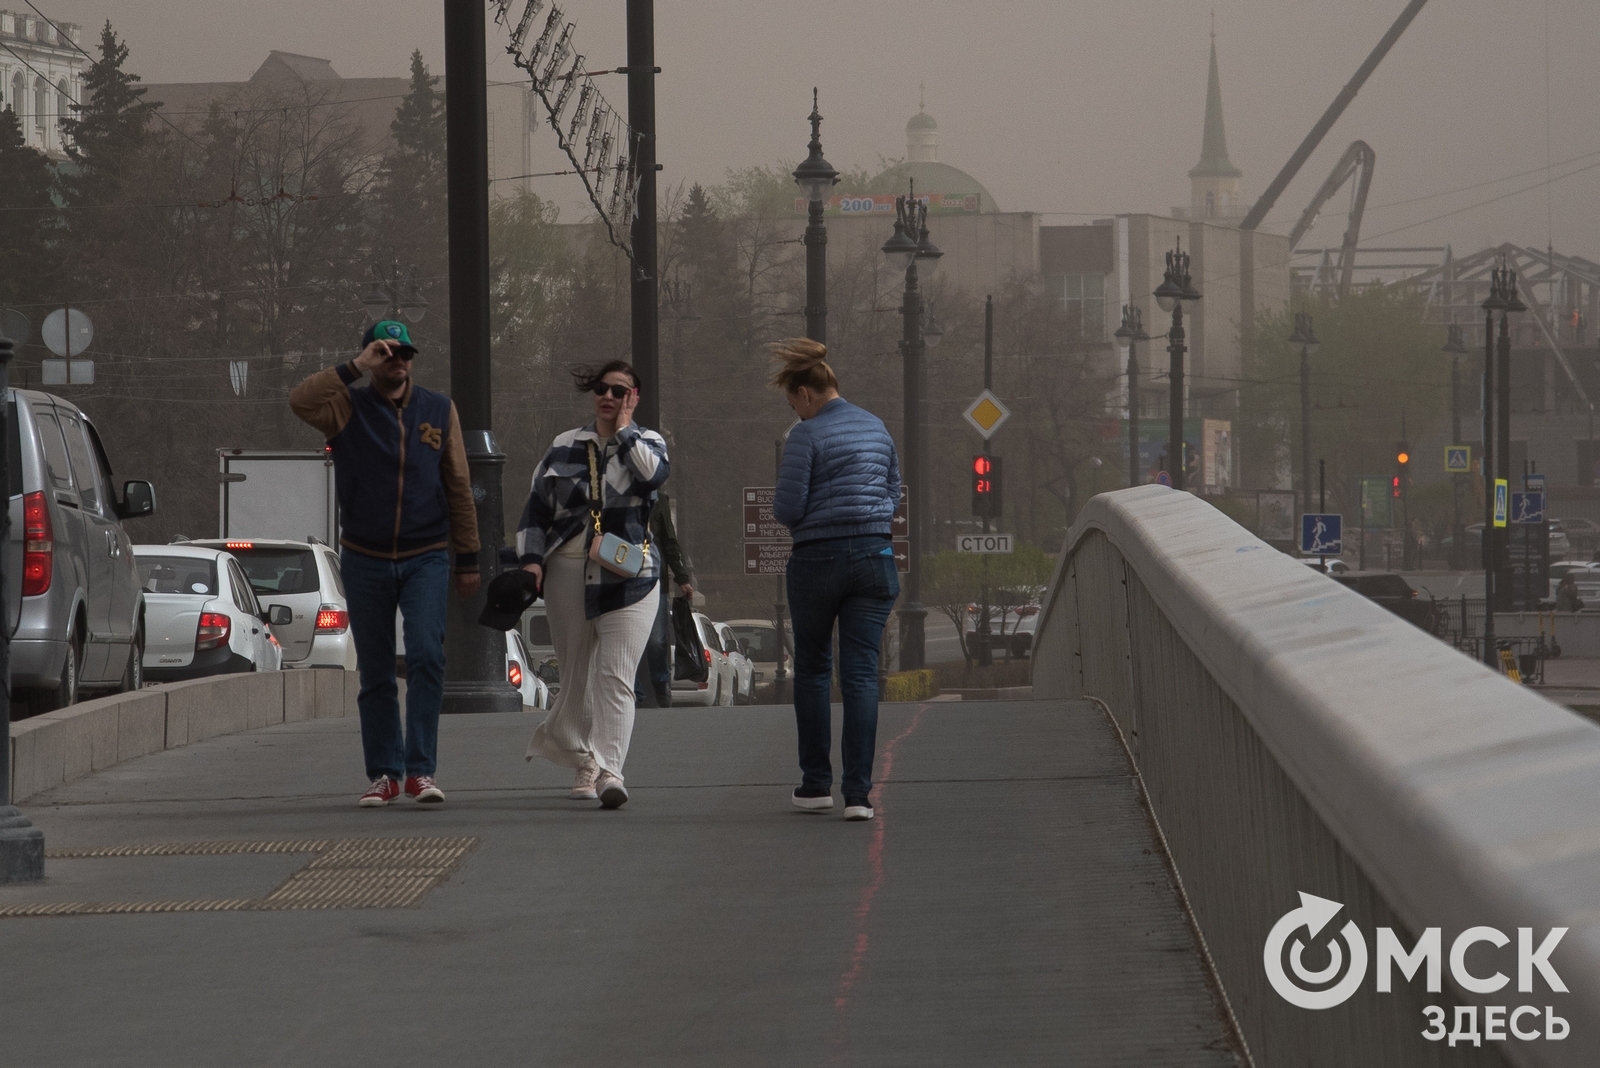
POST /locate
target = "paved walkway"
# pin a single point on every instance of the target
(1008, 906)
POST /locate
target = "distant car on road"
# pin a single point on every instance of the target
(758, 638)
(1393, 592)
(304, 576)
(201, 615)
(720, 684)
(522, 672)
(744, 669)
(1011, 628)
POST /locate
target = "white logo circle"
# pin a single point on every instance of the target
(1313, 915)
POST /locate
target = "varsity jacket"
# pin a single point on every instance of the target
(632, 465)
(400, 467)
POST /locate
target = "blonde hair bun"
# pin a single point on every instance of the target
(802, 362)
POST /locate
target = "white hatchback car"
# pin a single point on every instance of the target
(202, 616)
(523, 673)
(721, 681)
(303, 575)
(744, 669)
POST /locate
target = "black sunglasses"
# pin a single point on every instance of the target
(617, 391)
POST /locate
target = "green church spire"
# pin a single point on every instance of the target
(1214, 147)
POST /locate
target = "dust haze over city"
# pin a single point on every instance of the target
(1164, 431)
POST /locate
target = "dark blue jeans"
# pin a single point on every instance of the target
(417, 586)
(853, 581)
(652, 683)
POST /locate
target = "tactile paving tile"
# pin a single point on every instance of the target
(345, 873)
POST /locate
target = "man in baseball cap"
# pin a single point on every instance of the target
(394, 335)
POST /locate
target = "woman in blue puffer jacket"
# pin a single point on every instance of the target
(837, 491)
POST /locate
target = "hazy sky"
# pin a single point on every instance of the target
(1092, 107)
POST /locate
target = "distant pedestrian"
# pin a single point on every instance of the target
(652, 685)
(405, 505)
(1567, 599)
(596, 487)
(838, 487)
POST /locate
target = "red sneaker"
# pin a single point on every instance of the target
(422, 788)
(381, 792)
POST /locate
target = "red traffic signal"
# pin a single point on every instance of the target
(982, 465)
(1394, 486)
(986, 472)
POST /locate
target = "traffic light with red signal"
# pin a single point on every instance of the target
(986, 487)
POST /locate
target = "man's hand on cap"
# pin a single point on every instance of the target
(372, 356)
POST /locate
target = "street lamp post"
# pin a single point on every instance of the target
(816, 179)
(394, 293)
(1496, 453)
(1306, 338)
(909, 246)
(1170, 295)
(21, 843)
(1513, 303)
(1457, 348)
(1131, 330)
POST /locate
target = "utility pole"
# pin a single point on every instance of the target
(641, 18)
(984, 655)
(475, 671)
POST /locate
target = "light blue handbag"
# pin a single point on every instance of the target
(609, 551)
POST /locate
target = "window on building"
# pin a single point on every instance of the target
(19, 99)
(41, 102)
(1084, 296)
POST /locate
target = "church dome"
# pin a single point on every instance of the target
(921, 121)
(959, 190)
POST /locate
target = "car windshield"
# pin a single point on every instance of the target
(758, 640)
(178, 574)
(279, 570)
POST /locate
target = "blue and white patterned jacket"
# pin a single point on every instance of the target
(633, 465)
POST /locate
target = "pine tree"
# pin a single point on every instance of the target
(30, 218)
(418, 125)
(112, 127)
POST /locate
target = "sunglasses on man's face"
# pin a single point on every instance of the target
(617, 391)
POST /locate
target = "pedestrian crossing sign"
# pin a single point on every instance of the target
(1457, 459)
(1501, 494)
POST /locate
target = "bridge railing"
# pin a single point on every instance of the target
(1292, 736)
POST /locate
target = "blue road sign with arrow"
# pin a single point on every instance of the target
(1321, 534)
(1527, 508)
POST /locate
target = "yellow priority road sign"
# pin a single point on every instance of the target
(986, 414)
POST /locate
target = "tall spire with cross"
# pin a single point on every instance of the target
(1214, 181)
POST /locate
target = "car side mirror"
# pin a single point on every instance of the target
(279, 615)
(138, 499)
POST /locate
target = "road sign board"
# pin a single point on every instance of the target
(902, 555)
(1163, 479)
(1527, 508)
(986, 414)
(66, 332)
(900, 522)
(1500, 491)
(983, 543)
(1458, 459)
(1321, 534)
(765, 557)
(1533, 483)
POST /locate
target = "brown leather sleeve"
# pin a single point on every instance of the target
(323, 400)
(458, 490)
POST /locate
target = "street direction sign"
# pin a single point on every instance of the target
(765, 557)
(983, 543)
(986, 414)
(900, 522)
(767, 544)
(1500, 491)
(1527, 508)
(1321, 534)
(902, 555)
(1458, 459)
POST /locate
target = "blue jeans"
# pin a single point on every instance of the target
(417, 586)
(655, 667)
(851, 580)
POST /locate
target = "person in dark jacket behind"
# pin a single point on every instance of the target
(652, 684)
(405, 503)
(837, 490)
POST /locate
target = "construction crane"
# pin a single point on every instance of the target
(1358, 157)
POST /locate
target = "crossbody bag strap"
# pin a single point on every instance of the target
(594, 499)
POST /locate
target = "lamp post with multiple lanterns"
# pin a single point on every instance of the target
(907, 248)
(394, 293)
(1496, 459)
(816, 179)
(1306, 338)
(1170, 295)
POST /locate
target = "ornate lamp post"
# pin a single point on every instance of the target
(1496, 458)
(1131, 330)
(1457, 348)
(1170, 295)
(1306, 338)
(816, 179)
(908, 247)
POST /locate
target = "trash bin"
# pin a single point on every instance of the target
(1527, 664)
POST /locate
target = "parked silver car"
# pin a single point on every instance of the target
(202, 617)
(304, 576)
(76, 614)
(743, 667)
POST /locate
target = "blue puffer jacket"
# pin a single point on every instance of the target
(840, 476)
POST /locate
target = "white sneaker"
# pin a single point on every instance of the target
(583, 784)
(612, 794)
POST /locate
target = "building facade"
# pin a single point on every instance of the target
(41, 76)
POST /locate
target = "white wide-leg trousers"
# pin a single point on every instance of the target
(592, 716)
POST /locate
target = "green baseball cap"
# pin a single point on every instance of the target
(391, 331)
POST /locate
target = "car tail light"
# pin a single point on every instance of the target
(332, 619)
(212, 632)
(707, 651)
(514, 674)
(38, 546)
